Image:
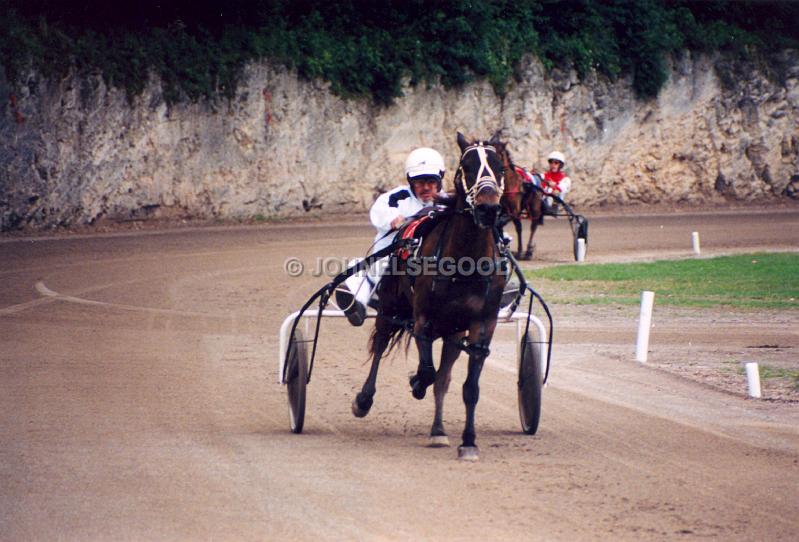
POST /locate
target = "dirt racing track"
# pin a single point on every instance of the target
(138, 401)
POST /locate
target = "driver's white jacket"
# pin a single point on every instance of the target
(387, 207)
(398, 202)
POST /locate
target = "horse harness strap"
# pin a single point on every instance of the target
(407, 241)
(486, 279)
(478, 348)
(485, 177)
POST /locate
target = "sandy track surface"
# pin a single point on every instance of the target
(138, 402)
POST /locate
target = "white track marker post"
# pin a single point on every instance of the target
(580, 249)
(753, 379)
(695, 243)
(644, 323)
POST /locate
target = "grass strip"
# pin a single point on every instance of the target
(759, 280)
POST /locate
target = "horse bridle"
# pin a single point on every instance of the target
(485, 175)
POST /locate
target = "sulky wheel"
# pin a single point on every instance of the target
(296, 381)
(580, 231)
(531, 382)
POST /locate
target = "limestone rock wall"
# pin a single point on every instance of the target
(75, 151)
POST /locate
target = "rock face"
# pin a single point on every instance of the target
(75, 150)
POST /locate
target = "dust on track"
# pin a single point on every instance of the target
(165, 422)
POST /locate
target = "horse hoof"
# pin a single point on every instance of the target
(421, 381)
(438, 441)
(468, 453)
(357, 411)
(418, 391)
(361, 405)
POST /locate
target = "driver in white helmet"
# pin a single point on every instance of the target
(555, 181)
(424, 172)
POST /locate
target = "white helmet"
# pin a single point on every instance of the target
(422, 162)
(556, 155)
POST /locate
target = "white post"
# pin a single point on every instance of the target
(753, 379)
(644, 323)
(695, 243)
(580, 249)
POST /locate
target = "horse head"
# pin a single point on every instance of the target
(512, 179)
(480, 179)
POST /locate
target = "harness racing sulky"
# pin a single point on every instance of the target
(450, 276)
(525, 194)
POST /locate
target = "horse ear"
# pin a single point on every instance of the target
(463, 143)
(495, 138)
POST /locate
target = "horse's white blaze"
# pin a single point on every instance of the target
(485, 178)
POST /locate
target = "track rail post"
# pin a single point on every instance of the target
(580, 249)
(753, 379)
(644, 325)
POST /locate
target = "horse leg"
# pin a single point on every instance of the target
(363, 401)
(528, 254)
(517, 224)
(479, 339)
(426, 373)
(536, 214)
(449, 354)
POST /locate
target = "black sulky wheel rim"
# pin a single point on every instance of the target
(296, 381)
(530, 386)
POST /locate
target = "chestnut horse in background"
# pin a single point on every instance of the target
(514, 200)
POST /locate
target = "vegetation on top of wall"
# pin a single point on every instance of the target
(368, 48)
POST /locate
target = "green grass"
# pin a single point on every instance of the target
(743, 281)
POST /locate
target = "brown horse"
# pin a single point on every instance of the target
(515, 200)
(457, 303)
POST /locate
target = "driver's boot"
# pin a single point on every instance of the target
(353, 309)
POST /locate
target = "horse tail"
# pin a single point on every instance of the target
(394, 336)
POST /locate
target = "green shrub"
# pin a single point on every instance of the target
(367, 48)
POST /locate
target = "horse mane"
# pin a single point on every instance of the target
(510, 156)
(502, 147)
